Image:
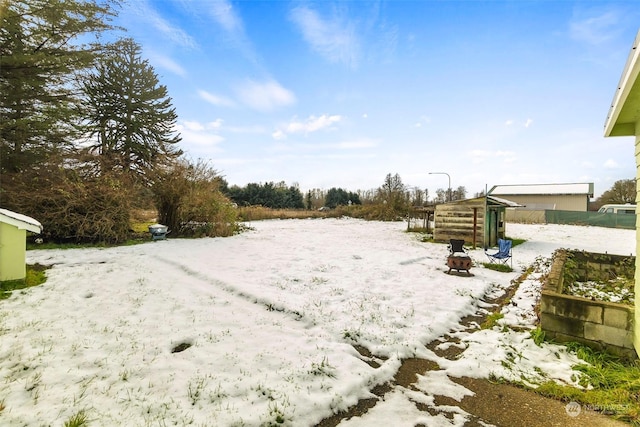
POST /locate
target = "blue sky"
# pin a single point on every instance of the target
(341, 93)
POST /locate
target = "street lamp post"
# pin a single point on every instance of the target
(449, 188)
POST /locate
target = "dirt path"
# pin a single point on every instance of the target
(491, 404)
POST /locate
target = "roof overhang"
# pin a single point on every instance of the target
(490, 201)
(503, 202)
(572, 189)
(22, 222)
(624, 112)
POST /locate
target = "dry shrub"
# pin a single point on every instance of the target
(256, 213)
(372, 212)
(71, 206)
(190, 203)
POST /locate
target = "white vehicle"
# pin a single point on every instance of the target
(620, 209)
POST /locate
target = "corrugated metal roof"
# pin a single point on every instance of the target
(493, 199)
(540, 189)
(505, 202)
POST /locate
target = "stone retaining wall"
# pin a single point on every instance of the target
(599, 324)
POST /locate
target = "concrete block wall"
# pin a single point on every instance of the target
(599, 324)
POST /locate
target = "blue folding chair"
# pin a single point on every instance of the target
(504, 253)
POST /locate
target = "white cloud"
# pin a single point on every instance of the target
(197, 138)
(594, 29)
(611, 164)
(173, 33)
(215, 99)
(335, 39)
(526, 123)
(223, 13)
(198, 127)
(216, 124)
(227, 17)
(312, 124)
(167, 63)
(195, 133)
(422, 121)
(365, 116)
(192, 126)
(265, 96)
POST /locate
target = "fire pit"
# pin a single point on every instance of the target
(459, 262)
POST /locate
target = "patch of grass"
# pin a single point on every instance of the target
(614, 384)
(426, 238)
(256, 213)
(78, 420)
(141, 227)
(515, 242)
(35, 276)
(491, 321)
(504, 268)
(324, 368)
(538, 335)
(136, 240)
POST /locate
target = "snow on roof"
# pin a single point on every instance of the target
(23, 222)
(529, 189)
(507, 203)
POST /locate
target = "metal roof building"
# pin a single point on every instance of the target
(568, 197)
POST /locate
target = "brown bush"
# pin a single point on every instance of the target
(71, 206)
(190, 203)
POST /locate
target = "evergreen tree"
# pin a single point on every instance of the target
(270, 195)
(309, 205)
(43, 45)
(336, 197)
(339, 197)
(129, 116)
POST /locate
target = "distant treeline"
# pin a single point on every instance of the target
(280, 196)
(270, 195)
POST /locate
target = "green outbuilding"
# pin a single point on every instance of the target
(13, 243)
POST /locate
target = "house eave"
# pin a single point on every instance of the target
(623, 114)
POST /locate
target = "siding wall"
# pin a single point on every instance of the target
(13, 244)
(568, 202)
(455, 221)
(636, 332)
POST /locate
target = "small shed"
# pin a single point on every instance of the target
(13, 243)
(479, 221)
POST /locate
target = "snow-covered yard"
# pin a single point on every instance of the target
(268, 319)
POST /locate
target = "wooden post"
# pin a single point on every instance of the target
(475, 226)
